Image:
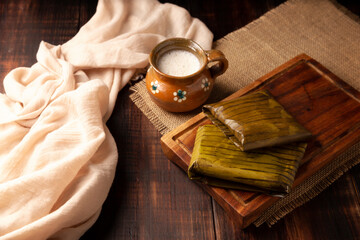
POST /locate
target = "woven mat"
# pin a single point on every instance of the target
(321, 29)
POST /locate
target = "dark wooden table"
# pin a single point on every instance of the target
(151, 198)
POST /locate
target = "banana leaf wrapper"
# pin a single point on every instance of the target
(216, 161)
(255, 120)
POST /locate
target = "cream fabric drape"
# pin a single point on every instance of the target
(57, 157)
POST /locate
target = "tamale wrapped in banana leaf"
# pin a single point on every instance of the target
(255, 120)
(218, 162)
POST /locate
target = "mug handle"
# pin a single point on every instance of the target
(221, 65)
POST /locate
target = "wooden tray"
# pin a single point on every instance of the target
(323, 103)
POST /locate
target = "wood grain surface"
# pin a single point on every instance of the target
(151, 198)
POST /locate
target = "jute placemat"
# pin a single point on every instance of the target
(321, 29)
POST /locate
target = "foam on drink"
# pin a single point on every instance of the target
(178, 63)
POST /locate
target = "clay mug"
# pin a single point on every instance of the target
(181, 93)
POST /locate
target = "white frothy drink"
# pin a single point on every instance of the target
(178, 63)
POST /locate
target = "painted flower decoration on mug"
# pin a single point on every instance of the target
(154, 87)
(179, 96)
(205, 84)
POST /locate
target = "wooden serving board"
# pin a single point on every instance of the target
(323, 103)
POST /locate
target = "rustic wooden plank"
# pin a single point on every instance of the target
(310, 221)
(333, 214)
(330, 204)
(24, 23)
(226, 16)
(227, 228)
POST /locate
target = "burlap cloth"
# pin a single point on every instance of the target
(323, 30)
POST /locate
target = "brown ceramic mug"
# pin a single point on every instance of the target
(179, 78)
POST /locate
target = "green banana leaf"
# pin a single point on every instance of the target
(255, 120)
(218, 162)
